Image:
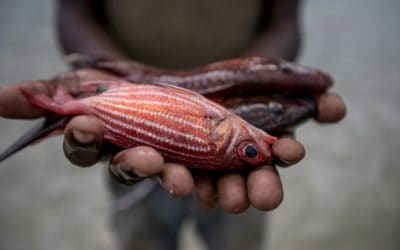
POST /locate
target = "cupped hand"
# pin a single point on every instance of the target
(235, 191)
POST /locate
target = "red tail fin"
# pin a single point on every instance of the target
(36, 96)
(61, 102)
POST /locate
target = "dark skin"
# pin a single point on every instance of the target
(234, 191)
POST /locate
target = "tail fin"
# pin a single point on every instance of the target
(61, 102)
(42, 130)
(36, 96)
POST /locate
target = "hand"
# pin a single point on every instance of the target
(235, 191)
(260, 187)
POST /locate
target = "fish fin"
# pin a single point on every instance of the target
(36, 97)
(213, 110)
(177, 89)
(51, 126)
(61, 102)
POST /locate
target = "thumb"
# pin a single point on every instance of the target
(83, 140)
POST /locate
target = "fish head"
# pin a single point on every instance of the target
(241, 145)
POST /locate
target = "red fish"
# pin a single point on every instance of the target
(184, 126)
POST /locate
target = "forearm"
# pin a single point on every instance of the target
(281, 36)
(79, 31)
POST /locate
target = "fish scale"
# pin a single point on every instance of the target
(142, 119)
(141, 126)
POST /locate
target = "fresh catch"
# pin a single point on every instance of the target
(182, 125)
(273, 95)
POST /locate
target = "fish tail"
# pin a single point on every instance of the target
(51, 126)
(36, 97)
(60, 102)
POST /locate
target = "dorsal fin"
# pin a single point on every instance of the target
(177, 89)
(213, 110)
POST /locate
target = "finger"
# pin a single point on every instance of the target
(83, 140)
(331, 108)
(177, 179)
(288, 151)
(265, 188)
(14, 105)
(232, 193)
(141, 161)
(206, 193)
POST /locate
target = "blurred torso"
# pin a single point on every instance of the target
(182, 33)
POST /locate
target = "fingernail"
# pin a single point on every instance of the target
(126, 177)
(82, 148)
(81, 155)
(126, 166)
(284, 163)
(84, 138)
(140, 174)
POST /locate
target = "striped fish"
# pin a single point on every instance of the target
(182, 125)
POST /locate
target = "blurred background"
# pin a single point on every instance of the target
(344, 195)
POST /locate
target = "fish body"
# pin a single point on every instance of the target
(182, 125)
(239, 76)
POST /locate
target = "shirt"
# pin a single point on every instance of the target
(182, 33)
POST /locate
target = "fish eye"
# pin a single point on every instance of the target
(250, 151)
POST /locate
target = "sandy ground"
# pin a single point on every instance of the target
(344, 195)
